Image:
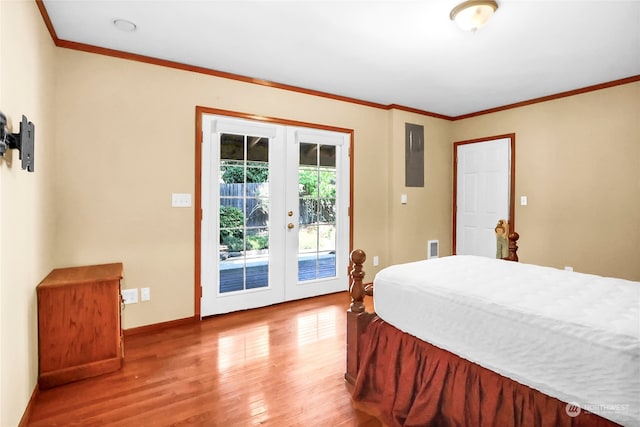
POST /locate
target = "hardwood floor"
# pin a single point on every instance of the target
(276, 366)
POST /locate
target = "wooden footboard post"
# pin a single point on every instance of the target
(513, 247)
(357, 317)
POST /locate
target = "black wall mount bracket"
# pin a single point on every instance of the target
(22, 141)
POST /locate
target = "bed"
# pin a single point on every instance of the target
(465, 340)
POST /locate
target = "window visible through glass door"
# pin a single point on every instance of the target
(317, 198)
(244, 213)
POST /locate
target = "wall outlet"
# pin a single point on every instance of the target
(145, 294)
(376, 261)
(130, 296)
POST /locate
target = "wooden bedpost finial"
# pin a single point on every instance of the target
(358, 256)
(356, 275)
(513, 247)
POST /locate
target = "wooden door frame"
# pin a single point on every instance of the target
(200, 110)
(512, 181)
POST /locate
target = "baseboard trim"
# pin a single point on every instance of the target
(24, 421)
(159, 326)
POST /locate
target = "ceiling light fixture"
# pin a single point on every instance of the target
(473, 14)
(124, 25)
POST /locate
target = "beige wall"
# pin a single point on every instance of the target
(125, 139)
(427, 214)
(578, 161)
(27, 55)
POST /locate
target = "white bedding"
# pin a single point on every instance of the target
(572, 336)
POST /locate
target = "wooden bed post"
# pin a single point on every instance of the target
(513, 247)
(357, 317)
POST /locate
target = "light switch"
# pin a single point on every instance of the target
(180, 200)
(403, 199)
(523, 200)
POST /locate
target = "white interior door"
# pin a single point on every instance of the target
(275, 213)
(482, 194)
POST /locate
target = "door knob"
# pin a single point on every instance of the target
(290, 213)
(290, 225)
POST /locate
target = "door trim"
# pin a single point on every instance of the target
(512, 181)
(200, 110)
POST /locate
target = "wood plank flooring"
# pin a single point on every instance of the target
(276, 366)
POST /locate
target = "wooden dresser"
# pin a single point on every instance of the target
(79, 323)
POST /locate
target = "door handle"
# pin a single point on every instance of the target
(290, 225)
(290, 213)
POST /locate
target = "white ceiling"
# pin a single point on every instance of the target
(387, 52)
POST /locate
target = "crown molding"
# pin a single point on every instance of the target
(211, 72)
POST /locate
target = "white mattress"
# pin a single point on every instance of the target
(572, 336)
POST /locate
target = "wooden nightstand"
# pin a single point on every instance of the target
(79, 323)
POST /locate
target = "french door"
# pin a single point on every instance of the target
(275, 223)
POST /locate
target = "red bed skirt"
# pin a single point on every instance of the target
(413, 383)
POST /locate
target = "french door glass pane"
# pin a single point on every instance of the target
(317, 198)
(232, 147)
(244, 213)
(328, 156)
(258, 149)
